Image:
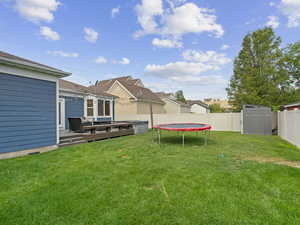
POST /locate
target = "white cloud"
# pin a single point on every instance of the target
(178, 69)
(201, 80)
(174, 3)
(176, 21)
(225, 47)
(101, 60)
(193, 69)
(115, 11)
(166, 43)
(209, 57)
(291, 9)
(49, 34)
(273, 22)
(272, 4)
(187, 72)
(189, 18)
(162, 86)
(63, 54)
(146, 12)
(37, 10)
(123, 61)
(90, 35)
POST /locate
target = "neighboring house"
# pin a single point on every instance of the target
(82, 102)
(293, 106)
(28, 104)
(198, 106)
(172, 106)
(223, 103)
(133, 97)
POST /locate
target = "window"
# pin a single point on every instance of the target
(107, 108)
(100, 108)
(90, 107)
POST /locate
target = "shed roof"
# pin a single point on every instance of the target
(293, 104)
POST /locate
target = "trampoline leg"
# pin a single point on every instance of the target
(182, 139)
(158, 135)
(206, 137)
(153, 135)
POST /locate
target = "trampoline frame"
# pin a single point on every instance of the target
(206, 129)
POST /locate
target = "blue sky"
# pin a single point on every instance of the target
(169, 44)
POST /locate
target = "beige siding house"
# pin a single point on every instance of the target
(198, 106)
(223, 103)
(172, 106)
(133, 97)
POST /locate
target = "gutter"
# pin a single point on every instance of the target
(33, 67)
(148, 101)
(85, 93)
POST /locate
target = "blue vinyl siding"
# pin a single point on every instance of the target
(27, 113)
(74, 107)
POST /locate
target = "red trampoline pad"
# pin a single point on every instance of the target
(183, 127)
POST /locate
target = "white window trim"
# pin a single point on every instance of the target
(85, 107)
(95, 101)
(63, 118)
(110, 106)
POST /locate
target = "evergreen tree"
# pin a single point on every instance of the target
(180, 96)
(259, 76)
(216, 108)
(292, 63)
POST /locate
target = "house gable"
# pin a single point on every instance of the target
(119, 90)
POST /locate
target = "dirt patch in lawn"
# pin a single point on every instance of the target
(278, 161)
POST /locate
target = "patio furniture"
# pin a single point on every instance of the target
(107, 127)
(76, 125)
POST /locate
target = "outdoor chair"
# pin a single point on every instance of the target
(76, 125)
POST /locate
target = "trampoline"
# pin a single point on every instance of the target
(183, 127)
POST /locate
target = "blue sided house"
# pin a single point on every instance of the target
(89, 104)
(35, 104)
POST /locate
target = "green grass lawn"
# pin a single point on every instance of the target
(131, 180)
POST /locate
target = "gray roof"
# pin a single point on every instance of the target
(293, 104)
(171, 97)
(198, 102)
(9, 59)
(77, 88)
(140, 93)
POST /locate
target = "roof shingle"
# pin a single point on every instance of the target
(22, 61)
(198, 102)
(67, 85)
(141, 93)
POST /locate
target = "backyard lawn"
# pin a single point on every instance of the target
(236, 179)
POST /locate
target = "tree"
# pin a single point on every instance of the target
(179, 96)
(292, 63)
(216, 108)
(259, 75)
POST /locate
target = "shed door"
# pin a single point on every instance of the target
(27, 113)
(257, 121)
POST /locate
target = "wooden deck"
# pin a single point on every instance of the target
(111, 131)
